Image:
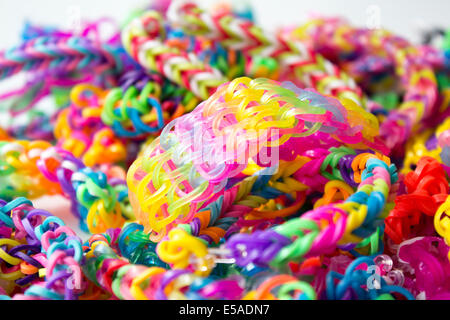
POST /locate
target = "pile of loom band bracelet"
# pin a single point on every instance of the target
(181, 171)
(99, 197)
(414, 67)
(62, 54)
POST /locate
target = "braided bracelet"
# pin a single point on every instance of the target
(143, 40)
(127, 281)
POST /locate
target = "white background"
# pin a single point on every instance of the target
(403, 17)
